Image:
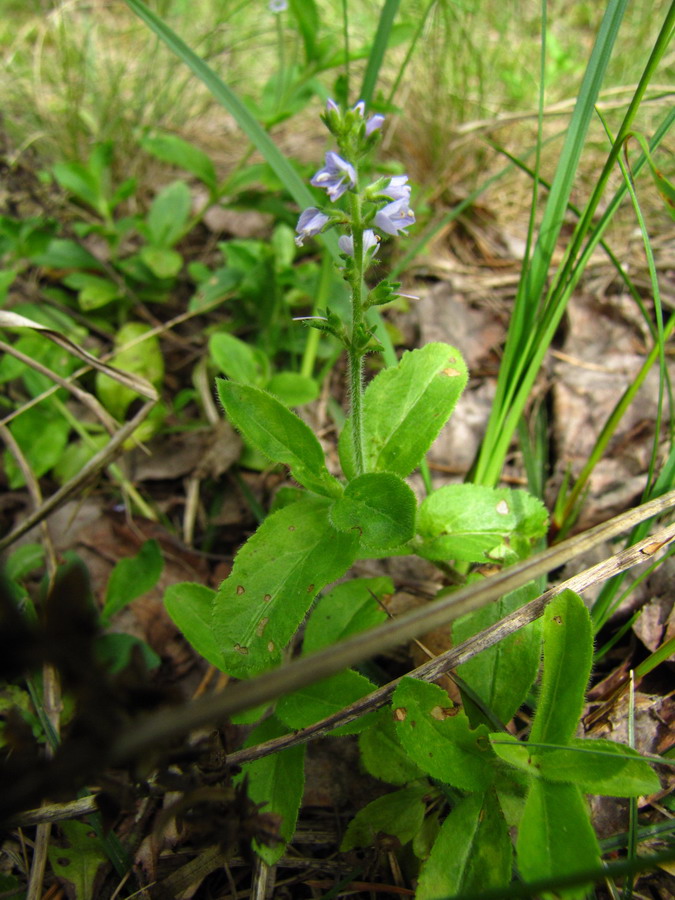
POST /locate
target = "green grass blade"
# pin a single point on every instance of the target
(377, 51)
(246, 121)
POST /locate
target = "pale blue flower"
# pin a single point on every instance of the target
(310, 223)
(331, 106)
(370, 240)
(373, 123)
(397, 189)
(336, 177)
(395, 217)
(277, 6)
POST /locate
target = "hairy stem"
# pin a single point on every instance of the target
(355, 350)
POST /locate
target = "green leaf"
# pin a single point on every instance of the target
(406, 406)
(144, 358)
(323, 698)
(278, 433)
(177, 152)
(307, 17)
(555, 837)
(131, 577)
(502, 675)
(162, 261)
(115, 651)
(438, 738)
(379, 507)
(78, 861)
(399, 814)
(382, 754)
(169, 214)
(42, 435)
(378, 49)
(24, 560)
(277, 781)
(472, 852)
(66, 254)
(599, 767)
(292, 388)
(238, 360)
(568, 655)
(81, 182)
(93, 292)
(191, 609)
(277, 574)
(346, 609)
(476, 523)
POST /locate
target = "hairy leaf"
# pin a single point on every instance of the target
(276, 576)
(399, 814)
(323, 698)
(379, 507)
(191, 609)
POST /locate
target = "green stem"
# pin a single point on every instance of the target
(355, 351)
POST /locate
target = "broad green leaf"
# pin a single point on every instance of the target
(277, 574)
(568, 655)
(426, 837)
(476, 523)
(238, 360)
(406, 406)
(323, 698)
(92, 291)
(555, 836)
(379, 507)
(162, 261)
(346, 609)
(292, 388)
(144, 358)
(81, 182)
(67, 254)
(399, 814)
(169, 214)
(438, 738)
(382, 754)
(191, 609)
(514, 752)
(599, 767)
(24, 560)
(78, 861)
(472, 852)
(177, 152)
(115, 650)
(277, 781)
(131, 577)
(278, 433)
(42, 433)
(502, 675)
(214, 289)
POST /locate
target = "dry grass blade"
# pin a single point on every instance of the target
(164, 725)
(140, 385)
(90, 470)
(443, 663)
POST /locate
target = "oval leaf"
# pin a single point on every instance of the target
(476, 523)
(472, 852)
(277, 433)
(438, 738)
(379, 507)
(276, 576)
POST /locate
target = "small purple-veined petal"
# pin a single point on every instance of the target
(310, 223)
(331, 106)
(277, 6)
(395, 217)
(373, 123)
(370, 240)
(398, 188)
(360, 108)
(336, 177)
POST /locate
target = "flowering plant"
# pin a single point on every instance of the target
(316, 531)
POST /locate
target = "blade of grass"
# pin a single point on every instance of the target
(526, 345)
(379, 48)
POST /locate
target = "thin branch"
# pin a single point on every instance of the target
(171, 723)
